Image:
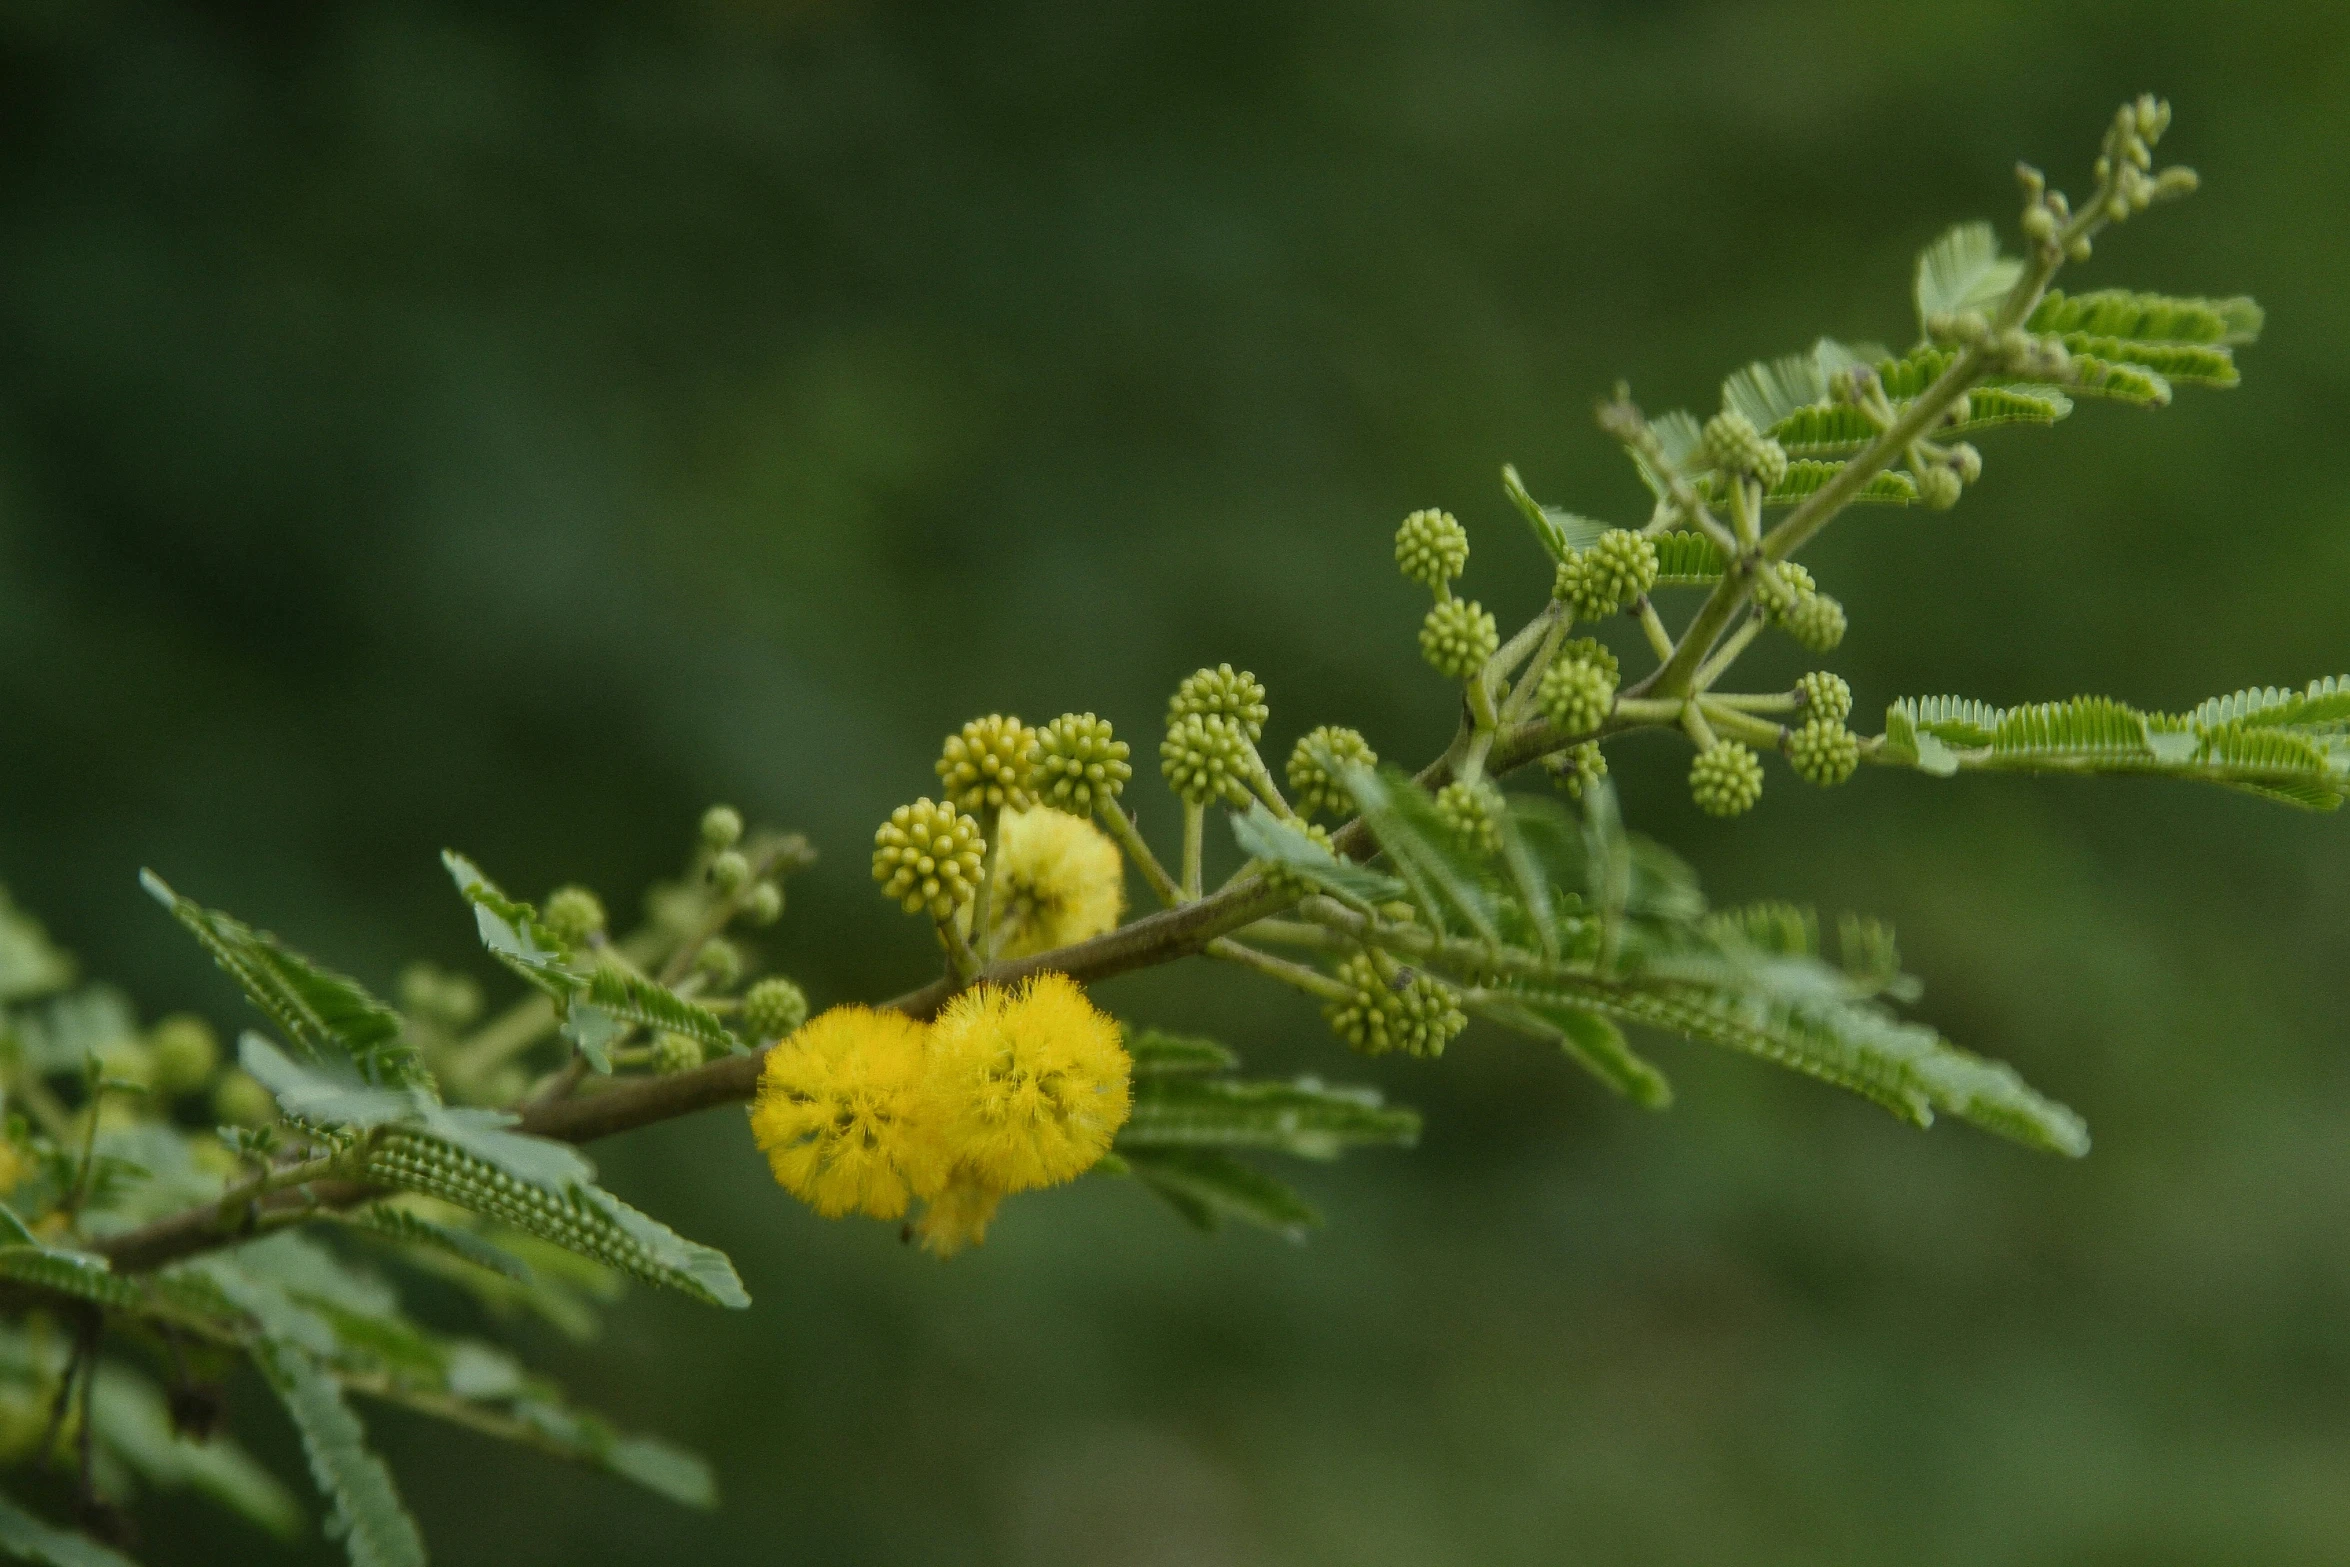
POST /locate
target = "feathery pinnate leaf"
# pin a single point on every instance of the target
(26, 1538)
(375, 1528)
(1207, 1187)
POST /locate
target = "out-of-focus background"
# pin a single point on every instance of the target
(514, 427)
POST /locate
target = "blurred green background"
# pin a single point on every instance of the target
(513, 427)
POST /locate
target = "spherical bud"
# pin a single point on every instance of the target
(1938, 487)
(2079, 249)
(1288, 882)
(1577, 768)
(1966, 462)
(186, 1053)
(773, 1008)
(730, 872)
(1473, 814)
(1782, 589)
(1604, 579)
(722, 828)
(575, 914)
(719, 962)
(1577, 696)
(1222, 692)
(1823, 751)
(676, 1053)
(1591, 650)
(763, 904)
(2039, 224)
(1726, 779)
(1078, 763)
(241, 1101)
(1815, 621)
(985, 768)
(1375, 1018)
(1431, 548)
(927, 857)
(1735, 446)
(127, 1061)
(1205, 759)
(1825, 695)
(1311, 786)
(1457, 638)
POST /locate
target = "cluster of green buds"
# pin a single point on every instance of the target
(1578, 690)
(1315, 789)
(1793, 602)
(1413, 1013)
(773, 1008)
(1726, 779)
(985, 768)
(1577, 768)
(1077, 764)
(1737, 448)
(2126, 182)
(728, 870)
(1472, 813)
(927, 857)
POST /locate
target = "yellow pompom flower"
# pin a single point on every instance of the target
(1029, 1084)
(1060, 880)
(957, 1217)
(841, 1114)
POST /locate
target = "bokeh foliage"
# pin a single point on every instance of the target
(515, 428)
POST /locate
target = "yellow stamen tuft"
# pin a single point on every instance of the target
(840, 1114)
(1060, 880)
(1030, 1084)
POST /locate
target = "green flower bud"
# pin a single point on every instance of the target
(1577, 768)
(676, 1053)
(1606, 578)
(1205, 759)
(1726, 779)
(1222, 692)
(2079, 250)
(1288, 882)
(1420, 1019)
(1823, 751)
(1577, 696)
(927, 857)
(447, 1000)
(241, 1101)
(1316, 790)
(763, 904)
(722, 828)
(2039, 225)
(1458, 637)
(1825, 695)
(1966, 462)
(1431, 548)
(719, 961)
(186, 1053)
(1938, 487)
(729, 871)
(1473, 813)
(1593, 651)
(1735, 446)
(985, 768)
(773, 1008)
(127, 1061)
(1078, 763)
(1816, 621)
(575, 914)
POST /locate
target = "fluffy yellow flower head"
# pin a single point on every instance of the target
(957, 1217)
(1060, 880)
(1030, 1084)
(840, 1114)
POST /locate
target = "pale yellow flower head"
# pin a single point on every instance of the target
(842, 1115)
(1030, 1084)
(957, 1217)
(1060, 880)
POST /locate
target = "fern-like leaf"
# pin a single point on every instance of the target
(1207, 1187)
(375, 1528)
(25, 1538)
(2149, 318)
(1963, 270)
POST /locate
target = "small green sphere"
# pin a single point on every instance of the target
(1816, 621)
(1823, 752)
(1431, 548)
(186, 1053)
(1473, 813)
(1734, 445)
(1205, 759)
(729, 872)
(1313, 788)
(719, 961)
(1576, 695)
(986, 766)
(1222, 692)
(722, 828)
(773, 1008)
(127, 1061)
(1593, 651)
(676, 1053)
(1606, 578)
(239, 1100)
(1078, 763)
(1939, 487)
(927, 857)
(1726, 779)
(575, 914)
(763, 904)
(1577, 768)
(1825, 695)
(1458, 637)
(1375, 1018)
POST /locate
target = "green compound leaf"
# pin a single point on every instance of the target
(1687, 560)
(1594, 1043)
(634, 1000)
(326, 1016)
(375, 1528)
(511, 931)
(1963, 270)
(1304, 1118)
(1446, 878)
(133, 1421)
(1559, 532)
(26, 1538)
(660, 1467)
(2149, 318)
(1264, 836)
(1207, 1187)
(1157, 1053)
(78, 1274)
(2197, 364)
(399, 1224)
